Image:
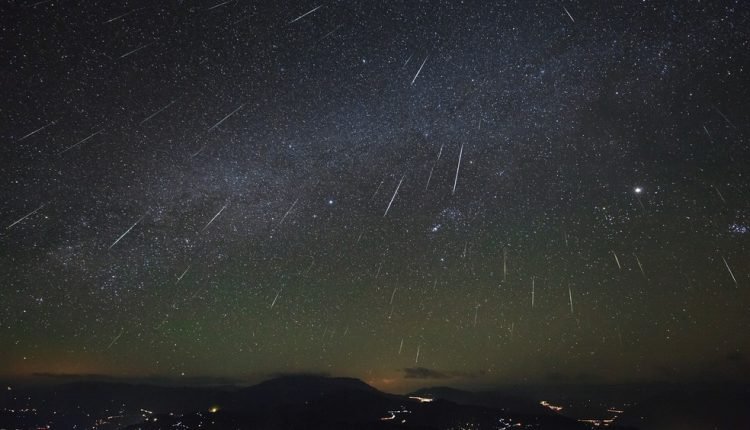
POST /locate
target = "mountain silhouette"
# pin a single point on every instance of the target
(286, 402)
(692, 407)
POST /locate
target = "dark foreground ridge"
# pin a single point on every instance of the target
(318, 402)
(289, 402)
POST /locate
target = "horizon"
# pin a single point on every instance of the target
(411, 385)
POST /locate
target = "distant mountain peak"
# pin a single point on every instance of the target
(320, 380)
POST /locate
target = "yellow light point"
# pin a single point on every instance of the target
(421, 399)
(213, 409)
(547, 405)
(388, 418)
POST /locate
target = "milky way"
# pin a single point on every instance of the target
(507, 192)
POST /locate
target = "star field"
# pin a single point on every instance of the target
(495, 192)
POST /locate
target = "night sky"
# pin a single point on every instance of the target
(411, 193)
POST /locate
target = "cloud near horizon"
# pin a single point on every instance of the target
(158, 380)
(425, 373)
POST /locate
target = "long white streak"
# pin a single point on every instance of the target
(287, 212)
(433, 167)
(157, 112)
(80, 142)
(416, 360)
(304, 15)
(476, 315)
(420, 70)
(640, 202)
(135, 50)
(220, 5)
(115, 339)
(196, 153)
(400, 347)
(407, 61)
(640, 266)
(329, 33)
(458, 167)
(275, 298)
(532, 291)
(312, 263)
(227, 117)
(724, 116)
(183, 274)
(394, 195)
(393, 294)
(240, 20)
(617, 260)
(212, 219)
(719, 193)
(429, 178)
(36, 131)
(729, 270)
(376, 190)
(122, 16)
(569, 15)
(570, 297)
(26, 216)
(127, 231)
(505, 263)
